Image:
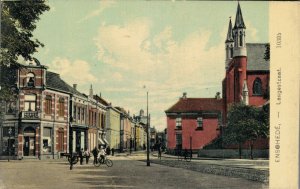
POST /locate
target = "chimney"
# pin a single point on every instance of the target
(100, 95)
(91, 92)
(218, 96)
(75, 86)
(184, 95)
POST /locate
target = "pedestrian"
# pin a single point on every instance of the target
(95, 152)
(87, 155)
(81, 152)
(159, 151)
(108, 150)
(112, 151)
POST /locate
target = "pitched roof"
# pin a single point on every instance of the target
(239, 21)
(101, 100)
(255, 57)
(196, 105)
(54, 81)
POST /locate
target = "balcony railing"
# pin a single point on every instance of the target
(30, 115)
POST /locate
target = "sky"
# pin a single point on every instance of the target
(125, 49)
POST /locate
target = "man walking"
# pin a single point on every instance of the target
(95, 154)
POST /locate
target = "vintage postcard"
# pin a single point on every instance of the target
(149, 94)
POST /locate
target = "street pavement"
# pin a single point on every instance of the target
(127, 172)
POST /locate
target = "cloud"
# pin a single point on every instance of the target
(165, 65)
(102, 6)
(73, 71)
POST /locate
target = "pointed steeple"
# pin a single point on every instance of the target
(239, 22)
(229, 37)
(245, 97)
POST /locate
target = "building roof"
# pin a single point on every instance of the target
(255, 57)
(101, 100)
(239, 21)
(196, 105)
(54, 81)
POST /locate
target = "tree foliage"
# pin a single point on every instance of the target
(18, 20)
(246, 123)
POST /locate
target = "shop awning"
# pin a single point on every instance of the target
(106, 142)
(101, 141)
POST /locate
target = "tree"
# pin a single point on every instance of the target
(245, 123)
(18, 20)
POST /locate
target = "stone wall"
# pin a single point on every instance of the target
(233, 153)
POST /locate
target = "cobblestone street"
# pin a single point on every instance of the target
(127, 172)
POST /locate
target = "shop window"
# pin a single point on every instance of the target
(61, 109)
(257, 87)
(48, 105)
(30, 102)
(47, 140)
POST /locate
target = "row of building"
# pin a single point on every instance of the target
(49, 117)
(194, 123)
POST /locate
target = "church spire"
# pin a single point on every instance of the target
(239, 34)
(229, 37)
(239, 21)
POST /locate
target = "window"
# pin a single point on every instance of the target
(61, 107)
(30, 102)
(241, 38)
(30, 80)
(78, 113)
(82, 114)
(48, 105)
(257, 87)
(231, 51)
(74, 114)
(200, 122)
(178, 122)
(47, 135)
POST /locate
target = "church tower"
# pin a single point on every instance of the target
(239, 34)
(229, 43)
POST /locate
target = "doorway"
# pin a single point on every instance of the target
(29, 142)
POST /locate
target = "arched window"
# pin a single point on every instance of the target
(30, 80)
(231, 51)
(48, 105)
(241, 38)
(257, 87)
(61, 109)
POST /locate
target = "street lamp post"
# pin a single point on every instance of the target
(9, 134)
(148, 161)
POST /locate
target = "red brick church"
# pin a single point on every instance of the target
(196, 122)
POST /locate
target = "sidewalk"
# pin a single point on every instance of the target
(256, 170)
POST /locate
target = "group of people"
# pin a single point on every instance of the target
(97, 154)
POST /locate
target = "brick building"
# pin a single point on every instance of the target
(194, 123)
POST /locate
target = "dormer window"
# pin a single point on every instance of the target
(199, 123)
(257, 87)
(30, 80)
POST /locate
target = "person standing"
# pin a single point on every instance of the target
(81, 152)
(159, 151)
(87, 155)
(108, 150)
(95, 152)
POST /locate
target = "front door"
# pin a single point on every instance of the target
(29, 146)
